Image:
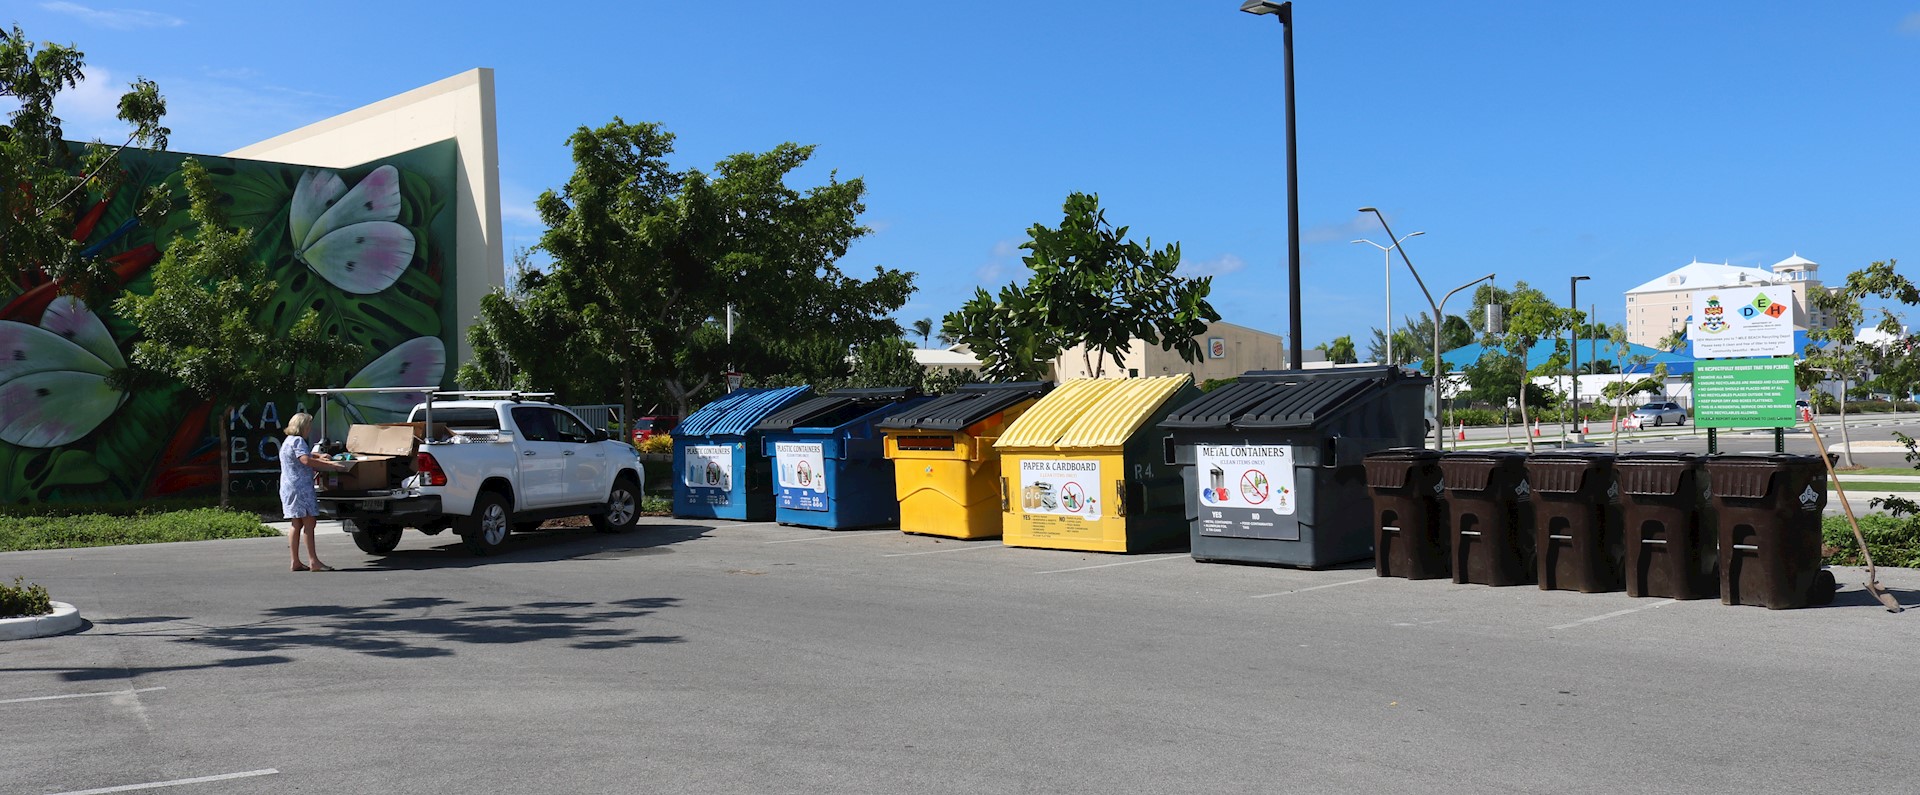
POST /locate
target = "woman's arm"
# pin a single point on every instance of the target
(315, 462)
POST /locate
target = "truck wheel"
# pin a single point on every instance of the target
(485, 532)
(623, 508)
(376, 539)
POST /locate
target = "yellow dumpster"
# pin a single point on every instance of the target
(946, 472)
(1085, 468)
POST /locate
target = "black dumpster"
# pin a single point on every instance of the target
(1272, 463)
(1409, 519)
(1767, 509)
(1489, 512)
(1668, 554)
(1576, 517)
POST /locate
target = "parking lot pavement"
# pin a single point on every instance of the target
(752, 657)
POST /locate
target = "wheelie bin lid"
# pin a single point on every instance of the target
(1588, 456)
(1092, 413)
(1285, 398)
(805, 414)
(1405, 454)
(963, 407)
(736, 413)
(1662, 456)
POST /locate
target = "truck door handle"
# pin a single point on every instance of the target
(569, 452)
(526, 452)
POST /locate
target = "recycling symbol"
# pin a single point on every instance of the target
(1439, 486)
(1522, 490)
(1613, 492)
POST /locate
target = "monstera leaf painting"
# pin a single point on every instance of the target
(53, 377)
(350, 237)
(420, 361)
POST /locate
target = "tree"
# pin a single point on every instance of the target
(887, 363)
(1620, 390)
(1530, 318)
(1339, 351)
(650, 263)
(923, 328)
(49, 184)
(205, 324)
(1413, 341)
(1089, 286)
(1835, 351)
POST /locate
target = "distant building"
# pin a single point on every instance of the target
(1226, 351)
(1661, 306)
(957, 357)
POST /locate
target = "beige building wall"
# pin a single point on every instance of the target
(460, 108)
(1652, 314)
(1240, 348)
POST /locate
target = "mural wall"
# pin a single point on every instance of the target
(370, 248)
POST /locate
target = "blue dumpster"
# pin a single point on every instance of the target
(830, 467)
(719, 471)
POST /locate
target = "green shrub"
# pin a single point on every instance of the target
(23, 599)
(656, 506)
(1893, 542)
(657, 443)
(100, 530)
(262, 504)
(1215, 383)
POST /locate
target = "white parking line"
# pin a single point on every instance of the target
(834, 536)
(1316, 587)
(1121, 563)
(173, 783)
(968, 548)
(1616, 614)
(81, 695)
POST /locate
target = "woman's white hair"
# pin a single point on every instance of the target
(298, 424)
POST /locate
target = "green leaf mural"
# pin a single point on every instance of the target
(160, 440)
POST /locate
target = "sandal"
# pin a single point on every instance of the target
(322, 567)
(299, 567)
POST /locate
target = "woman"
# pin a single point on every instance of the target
(297, 465)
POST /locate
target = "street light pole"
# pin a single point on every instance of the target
(1439, 363)
(1573, 351)
(1386, 258)
(1284, 11)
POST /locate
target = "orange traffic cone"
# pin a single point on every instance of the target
(1463, 431)
(1583, 426)
(1536, 427)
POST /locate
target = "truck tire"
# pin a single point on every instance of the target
(375, 539)
(623, 507)
(486, 531)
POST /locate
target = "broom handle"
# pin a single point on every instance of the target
(1858, 537)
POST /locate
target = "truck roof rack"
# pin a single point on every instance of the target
(495, 394)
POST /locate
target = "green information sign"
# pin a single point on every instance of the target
(1744, 393)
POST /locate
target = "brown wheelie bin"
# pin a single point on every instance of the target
(1409, 519)
(1767, 509)
(1576, 521)
(1489, 516)
(1670, 553)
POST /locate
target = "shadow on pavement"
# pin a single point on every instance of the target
(88, 674)
(1853, 595)
(531, 547)
(429, 626)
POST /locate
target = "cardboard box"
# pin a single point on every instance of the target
(382, 454)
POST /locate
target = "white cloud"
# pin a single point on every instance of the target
(1218, 266)
(91, 109)
(1910, 24)
(999, 262)
(217, 114)
(116, 18)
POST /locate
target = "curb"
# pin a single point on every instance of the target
(65, 618)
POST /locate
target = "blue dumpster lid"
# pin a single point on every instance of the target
(834, 408)
(738, 411)
(1280, 399)
(965, 406)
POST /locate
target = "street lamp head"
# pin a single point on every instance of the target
(1366, 210)
(1265, 7)
(1582, 278)
(1413, 234)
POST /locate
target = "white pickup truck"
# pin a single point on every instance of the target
(503, 461)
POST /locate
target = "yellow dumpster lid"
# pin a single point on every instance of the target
(1092, 413)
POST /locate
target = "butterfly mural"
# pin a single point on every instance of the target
(420, 361)
(350, 237)
(54, 376)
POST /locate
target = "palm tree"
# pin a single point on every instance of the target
(924, 328)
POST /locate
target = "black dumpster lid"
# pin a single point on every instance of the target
(1405, 454)
(1765, 458)
(1499, 456)
(1290, 403)
(1588, 456)
(965, 406)
(802, 414)
(1659, 455)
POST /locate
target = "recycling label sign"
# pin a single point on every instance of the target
(1744, 393)
(1742, 321)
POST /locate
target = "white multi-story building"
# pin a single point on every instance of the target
(1661, 306)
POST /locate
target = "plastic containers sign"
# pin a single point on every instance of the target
(709, 474)
(802, 471)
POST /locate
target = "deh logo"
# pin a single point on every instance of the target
(1809, 497)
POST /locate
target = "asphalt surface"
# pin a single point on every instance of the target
(701, 657)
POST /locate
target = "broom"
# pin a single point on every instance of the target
(1872, 584)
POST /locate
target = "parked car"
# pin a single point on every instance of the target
(646, 428)
(492, 466)
(1657, 414)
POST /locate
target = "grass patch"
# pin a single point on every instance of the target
(263, 505)
(1893, 542)
(655, 506)
(1872, 485)
(104, 530)
(1870, 471)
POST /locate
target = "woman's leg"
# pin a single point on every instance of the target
(293, 544)
(313, 555)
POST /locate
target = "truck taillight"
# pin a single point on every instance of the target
(429, 469)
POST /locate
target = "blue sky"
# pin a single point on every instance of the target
(1535, 140)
